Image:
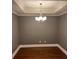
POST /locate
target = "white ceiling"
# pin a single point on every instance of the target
(32, 7)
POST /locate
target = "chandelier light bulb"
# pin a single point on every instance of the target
(40, 17)
(44, 18)
(37, 19)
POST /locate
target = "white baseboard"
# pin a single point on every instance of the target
(39, 45)
(62, 49)
(15, 52)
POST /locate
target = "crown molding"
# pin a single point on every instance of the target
(35, 14)
(15, 13)
(63, 13)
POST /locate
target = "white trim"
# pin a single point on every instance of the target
(15, 52)
(62, 49)
(39, 45)
(63, 13)
(36, 14)
(15, 13)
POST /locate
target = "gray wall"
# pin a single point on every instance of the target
(31, 31)
(25, 30)
(15, 33)
(62, 35)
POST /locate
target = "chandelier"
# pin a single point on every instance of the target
(41, 18)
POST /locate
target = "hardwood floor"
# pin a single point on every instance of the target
(40, 53)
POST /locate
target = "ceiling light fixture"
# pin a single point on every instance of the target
(41, 18)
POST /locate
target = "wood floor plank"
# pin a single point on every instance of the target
(40, 53)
